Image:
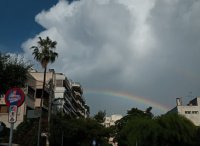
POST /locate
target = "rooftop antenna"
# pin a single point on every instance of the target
(189, 96)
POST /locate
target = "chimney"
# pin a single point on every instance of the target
(179, 101)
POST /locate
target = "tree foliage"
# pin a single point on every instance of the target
(44, 52)
(100, 116)
(132, 114)
(13, 72)
(176, 130)
(77, 132)
(139, 128)
(4, 133)
(26, 133)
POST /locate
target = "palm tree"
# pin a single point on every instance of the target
(44, 53)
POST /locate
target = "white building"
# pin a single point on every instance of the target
(110, 121)
(66, 96)
(190, 111)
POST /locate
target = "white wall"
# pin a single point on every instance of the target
(190, 112)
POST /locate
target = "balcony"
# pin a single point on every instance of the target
(45, 103)
(68, 109)
(77, 94)
(30, 102)
(80, 113)
(60, 89)
(69, 104)
(77, 87)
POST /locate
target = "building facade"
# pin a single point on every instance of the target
(110, 121)
(190, 111)
(63, 95)
(68, 97)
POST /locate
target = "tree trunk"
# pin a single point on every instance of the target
(41, 104)
(50, 103)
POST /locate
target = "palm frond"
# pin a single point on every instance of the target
(44, 51)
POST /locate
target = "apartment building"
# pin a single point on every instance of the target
(32, 101)
(34, 88)
(110, 121)
(66, 96)
(190, 111)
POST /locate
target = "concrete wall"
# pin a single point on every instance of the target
(190, 112)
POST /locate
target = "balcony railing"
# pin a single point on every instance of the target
(77, 87)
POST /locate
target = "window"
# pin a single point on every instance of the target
(3, 109)
(195, 112)
(31, 92)
(59, 83)
(187, 112)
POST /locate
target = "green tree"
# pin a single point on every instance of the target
(148, 112)
(139, 131)
(77, 132)
(141, 128)
(13, 72)
(131, 114)
(196, 138)
(100, 116)
(129, 127)
(26, 133)
(176, 130)
(4, 132)
(44, 53)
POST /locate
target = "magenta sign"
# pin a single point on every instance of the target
(14, 96)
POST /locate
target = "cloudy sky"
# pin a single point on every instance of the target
(125, 53)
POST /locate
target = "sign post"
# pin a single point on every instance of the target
(12, 117)
(14, 98)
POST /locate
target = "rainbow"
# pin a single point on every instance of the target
(129, 96)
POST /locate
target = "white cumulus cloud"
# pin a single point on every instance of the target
(145, 47)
